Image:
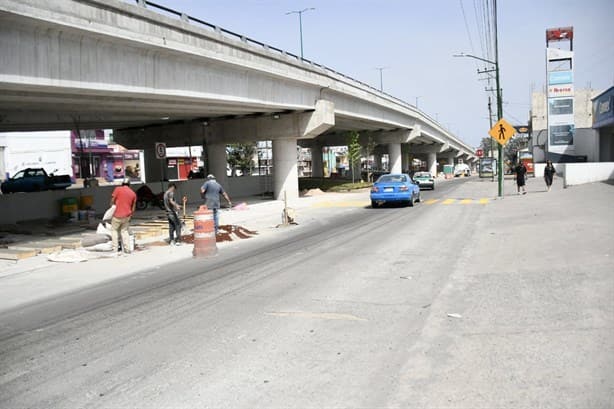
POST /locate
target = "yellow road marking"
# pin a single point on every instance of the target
(316, 315)
(466, 201)
(483, 201)
(431, 201)
(448, 201)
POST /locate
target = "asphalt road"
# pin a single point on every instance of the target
(326, 315)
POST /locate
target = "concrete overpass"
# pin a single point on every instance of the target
(172, 78)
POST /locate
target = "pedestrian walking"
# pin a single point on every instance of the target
(521, 173)
(211, 191)
(549, 172)
(124, 200)
(174, 223)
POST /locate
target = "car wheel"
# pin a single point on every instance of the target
(374, 204)
(141, 205)
(411, 201)
(433, 188)
(419, 198)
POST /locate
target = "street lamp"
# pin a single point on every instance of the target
(499, 106)
(300, 22)
(381, 78)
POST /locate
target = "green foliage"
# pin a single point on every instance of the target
(371, 144)
(354, 152)
(330, 185)
(488, 144)
(510, 150)
(240, 156)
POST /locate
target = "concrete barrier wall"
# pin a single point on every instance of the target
(18, 207)
(580, 173)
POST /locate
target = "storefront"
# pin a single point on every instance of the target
(603, 123)
(93, 157)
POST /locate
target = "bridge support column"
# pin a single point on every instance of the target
(431, 163)
(216, 153)
(451, 160)
(405, 165)
(317, 164)
(377, 161)
(394, 156)
(285, 173)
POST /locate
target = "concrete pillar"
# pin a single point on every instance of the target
(394, 156)
(216, 153)
(451, 160)
(431, 163)
(377, 161)
(317, 164)
(404, 160)
(285, 173)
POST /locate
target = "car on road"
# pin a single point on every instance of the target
(35, 180)
(425, 179)
(394, 188)
(462, 169)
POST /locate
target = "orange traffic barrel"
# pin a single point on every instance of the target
(204, 233)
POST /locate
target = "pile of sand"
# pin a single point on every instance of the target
(313, 192)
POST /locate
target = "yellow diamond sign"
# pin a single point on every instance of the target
(502, 131)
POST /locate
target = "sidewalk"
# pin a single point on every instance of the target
(26, 281)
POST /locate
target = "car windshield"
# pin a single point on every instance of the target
(422, 175)
(392, 179)
(18, 175)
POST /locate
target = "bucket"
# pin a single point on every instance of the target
(82, 214)
(86, 202)
(69, 205)
(91, 215)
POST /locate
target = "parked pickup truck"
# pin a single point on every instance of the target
(34, 180)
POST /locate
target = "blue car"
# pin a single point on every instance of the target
(394, 188)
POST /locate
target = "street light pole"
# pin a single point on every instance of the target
(381, 77)
(300, 22)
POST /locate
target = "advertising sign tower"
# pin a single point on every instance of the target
(560, 114)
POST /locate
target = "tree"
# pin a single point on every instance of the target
(487, 145)
(514, 145)
(241, 156)
(370, 148)
(354, 152)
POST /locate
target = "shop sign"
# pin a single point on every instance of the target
(560, 91)
(560, 77)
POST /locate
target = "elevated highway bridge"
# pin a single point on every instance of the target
(156, 75)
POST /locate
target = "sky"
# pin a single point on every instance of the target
(416, 40)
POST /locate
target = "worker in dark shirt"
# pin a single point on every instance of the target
(211, 191)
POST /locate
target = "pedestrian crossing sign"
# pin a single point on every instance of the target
(502, 131)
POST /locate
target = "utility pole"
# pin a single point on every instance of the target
(499, 102)
(491, 140)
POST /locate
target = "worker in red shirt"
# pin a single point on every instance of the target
(124, 200)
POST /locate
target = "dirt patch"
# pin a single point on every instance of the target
(313, 192)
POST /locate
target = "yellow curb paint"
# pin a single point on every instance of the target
(431, 201)
(316, 315)
(448, 201)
